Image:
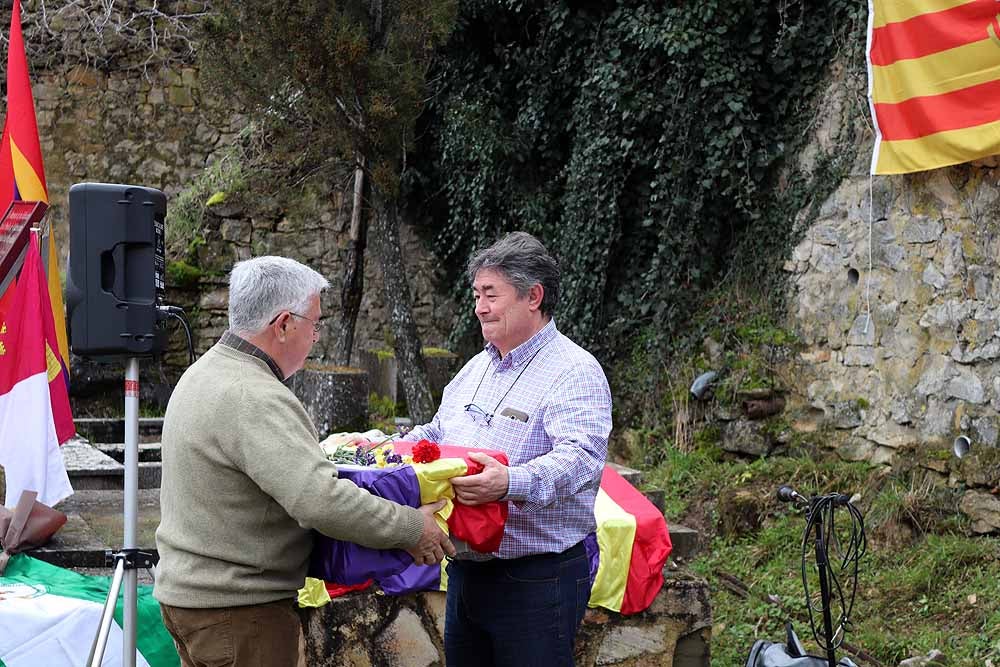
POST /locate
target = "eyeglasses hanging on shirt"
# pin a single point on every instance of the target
(478, 413)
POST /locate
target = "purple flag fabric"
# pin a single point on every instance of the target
(348, 563)
(593, 554)
(412, 579)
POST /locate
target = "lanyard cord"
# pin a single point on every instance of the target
(532, 358)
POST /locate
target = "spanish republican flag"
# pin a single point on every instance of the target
(626, 553)
(22, 172)
(31, 383)
(933, 82)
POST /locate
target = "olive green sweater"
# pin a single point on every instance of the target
(244, 482)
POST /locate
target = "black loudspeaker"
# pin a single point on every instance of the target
(116, 270)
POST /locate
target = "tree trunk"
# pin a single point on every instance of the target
(354, 270)
(409, 361)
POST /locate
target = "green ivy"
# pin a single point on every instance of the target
(643, 142)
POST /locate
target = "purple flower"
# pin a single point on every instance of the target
(364, 457)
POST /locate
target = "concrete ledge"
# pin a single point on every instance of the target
(630, 475)
(368, 628)
(685, 542)
(149, 452)
(90, 469)
(75, 545)
(112, 429)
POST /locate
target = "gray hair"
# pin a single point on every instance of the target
(262, 287)
(524, 262)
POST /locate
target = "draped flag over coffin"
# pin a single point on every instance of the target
(934, 82)
(627, 553)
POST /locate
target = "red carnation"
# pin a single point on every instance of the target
(426, 451)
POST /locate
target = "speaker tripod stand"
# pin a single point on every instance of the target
(129, 559)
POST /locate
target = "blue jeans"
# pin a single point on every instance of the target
(522, 612)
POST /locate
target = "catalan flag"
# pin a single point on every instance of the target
(627, 553)
(934, 82)
(22, 177)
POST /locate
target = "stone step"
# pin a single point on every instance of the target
(634, 477)
(112, 429)
(630, 475)
(685, 541)
(91, 469)
(656, 496)
(75, 545)
(94, 529)
(149, 452)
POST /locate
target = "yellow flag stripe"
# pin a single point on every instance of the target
(443, 584)
(942, 72)
(28, 184)
(55, 297)
(52, 366)
(893, 11)
(938, 150)
(615, 537)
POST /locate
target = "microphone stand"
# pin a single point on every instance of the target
(822, 567)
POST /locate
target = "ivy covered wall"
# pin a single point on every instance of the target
(648, 144)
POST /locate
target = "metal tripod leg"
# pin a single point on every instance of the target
(107, 617)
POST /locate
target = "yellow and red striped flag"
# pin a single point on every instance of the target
(933, 82)
(22, 177)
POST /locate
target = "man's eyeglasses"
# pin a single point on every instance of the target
(316, 323)
(478, 413)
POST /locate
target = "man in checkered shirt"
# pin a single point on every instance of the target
(544, 401)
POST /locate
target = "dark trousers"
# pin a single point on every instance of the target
(522, 612)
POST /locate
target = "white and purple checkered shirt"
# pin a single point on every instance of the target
(556, 456)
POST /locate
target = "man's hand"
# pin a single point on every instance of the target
(433, 544)
(487, 486)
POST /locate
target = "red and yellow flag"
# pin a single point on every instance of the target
(22, 174)
(933, 82)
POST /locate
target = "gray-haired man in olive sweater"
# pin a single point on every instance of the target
(245, 482)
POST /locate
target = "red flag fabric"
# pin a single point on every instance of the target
(480, 526)
(650, 542)
(30, 382)
(22, 177)
(5, 301)
(7, 186)
(26, 150)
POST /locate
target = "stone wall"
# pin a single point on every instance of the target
(314, 230)
(365, 629)
(119, 98)
(902, 324)
(117, 106)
